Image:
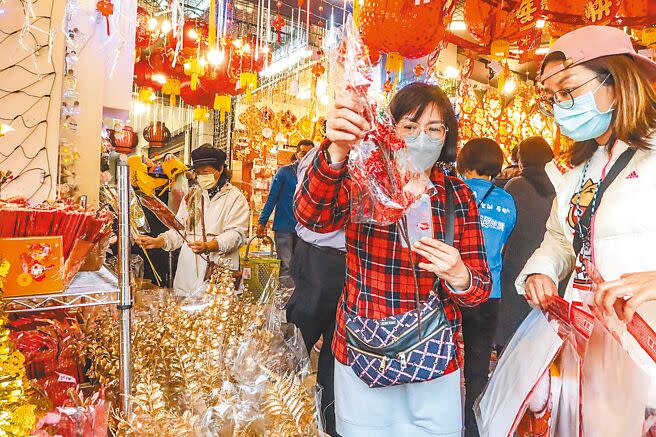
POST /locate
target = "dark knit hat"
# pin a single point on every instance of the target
(208, 155)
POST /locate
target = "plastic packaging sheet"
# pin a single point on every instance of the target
(615, 388)
(385, 182)
(515, 376)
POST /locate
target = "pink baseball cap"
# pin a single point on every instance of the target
(592, 42)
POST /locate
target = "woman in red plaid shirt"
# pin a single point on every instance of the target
(379, 279)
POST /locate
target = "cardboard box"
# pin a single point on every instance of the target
(36, 265)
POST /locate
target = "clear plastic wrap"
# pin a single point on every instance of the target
(80, 417)
(385, 183)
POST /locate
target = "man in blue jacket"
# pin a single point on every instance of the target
(479, 162)
(281, 198)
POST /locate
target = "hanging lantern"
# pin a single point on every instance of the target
(278, 23)
(144, 76)
(374, 56)
(125, 140)
(172, 88)
(195, 69)
(195, 33)
(144, 35)
(637, 13)
(157, 134)
(412, 29)
(106, 8)
(566, 15)
(419, 70)
(498, 23)
(199, 98)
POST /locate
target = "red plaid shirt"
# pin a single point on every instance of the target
(379, 274)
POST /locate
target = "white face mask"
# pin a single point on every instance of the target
(206, 181)
(424, 151)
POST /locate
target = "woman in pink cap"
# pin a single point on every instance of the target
(599, 91)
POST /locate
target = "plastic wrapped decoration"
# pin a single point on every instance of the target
(385, 183)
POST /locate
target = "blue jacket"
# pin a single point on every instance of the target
(281, 197)
(498, 218)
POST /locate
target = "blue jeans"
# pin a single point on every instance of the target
(285, 245)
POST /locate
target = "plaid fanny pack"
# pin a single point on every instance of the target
(411, 347)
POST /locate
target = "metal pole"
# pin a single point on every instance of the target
(125, 292)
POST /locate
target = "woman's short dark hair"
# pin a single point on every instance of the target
(482, 155)
(413, 99)
(534, 152)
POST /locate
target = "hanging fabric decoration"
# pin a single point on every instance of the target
(278, 23)
(499, 49)
(419, 70)
(194, 69)
(172, 88)
(146, 95)
(223, 104)
(503, 76)
(248, 81)
(106, 8)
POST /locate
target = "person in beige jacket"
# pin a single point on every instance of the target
(226, 214)
(598, 89)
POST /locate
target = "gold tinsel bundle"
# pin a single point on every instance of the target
(200, 371)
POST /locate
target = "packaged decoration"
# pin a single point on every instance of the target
(79, 417)
(385, 183)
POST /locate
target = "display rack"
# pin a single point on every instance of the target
(87, 289)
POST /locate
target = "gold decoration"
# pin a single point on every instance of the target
(17, 417)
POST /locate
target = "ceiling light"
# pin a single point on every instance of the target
(510, 86)
(5, 129)
(192, 34)
(215, 57)
(152, 23)
(542, 51)
(166, 26)
(237, 43)
(138, 108)
(159, 78)
(202, 62)
(247, 48)
(540, 23)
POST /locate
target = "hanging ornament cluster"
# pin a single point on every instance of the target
(106, 8)
(402, 28)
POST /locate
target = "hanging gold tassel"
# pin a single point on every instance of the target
(194, 69)
(172, 88)
(201, 113)
(503, 76)
(499, 49)
(394, 63)
(223, 104)
(146, 95)
(248, 81)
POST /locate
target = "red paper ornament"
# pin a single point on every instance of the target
(419, 70)
(278, 23)
(388, 86)
(413, 29)
(318, 69)
(320, 23)
(106, 8)
(144, 37)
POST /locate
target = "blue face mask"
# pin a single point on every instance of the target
(583, 121)
(424, 151)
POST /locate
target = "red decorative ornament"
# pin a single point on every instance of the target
(318, 69)
(144, 76)
(413, 29)
(388, 86)
(320, 23)
(157, 134)
(278, 23)
(143, 35)
(125, 140)
(419, 70)
(494, 21)
(106, 8)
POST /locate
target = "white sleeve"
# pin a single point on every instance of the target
(172, 239)
(236, 226)
(555, 257)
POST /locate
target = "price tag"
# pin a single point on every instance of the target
(66, 378)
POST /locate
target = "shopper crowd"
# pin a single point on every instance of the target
(504, 240)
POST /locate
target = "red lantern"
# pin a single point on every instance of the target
(106, 8)
(125, 140)
(492, 21)
(146, 77)
(144, 37)
(278, 23)
(566, 15)
(157, 134)
(638, 13)
(374, 56)
(195, 34)
(200, 97)
(413, 29)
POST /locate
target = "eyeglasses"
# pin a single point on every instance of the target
(564, 98)
(411, 130)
